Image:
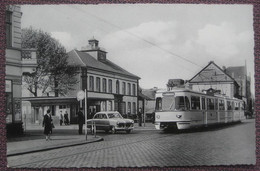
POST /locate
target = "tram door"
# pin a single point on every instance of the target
(204, 111)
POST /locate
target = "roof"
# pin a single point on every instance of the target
(212, 73)
(237, 72)
(149, 93)
(83, 59)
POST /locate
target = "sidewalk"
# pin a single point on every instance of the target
(63, 136)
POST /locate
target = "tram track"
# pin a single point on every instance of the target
(100, 148)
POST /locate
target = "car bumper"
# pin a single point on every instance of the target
(124, 128)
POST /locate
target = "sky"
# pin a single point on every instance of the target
(156, 42)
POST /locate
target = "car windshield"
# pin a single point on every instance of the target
(114, 115)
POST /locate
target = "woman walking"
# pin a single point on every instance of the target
(47, 123)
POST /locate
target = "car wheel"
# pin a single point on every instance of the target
(113, 130)
(128, 131)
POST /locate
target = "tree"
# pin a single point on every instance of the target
(52, 73)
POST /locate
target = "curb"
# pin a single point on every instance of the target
(69, 144)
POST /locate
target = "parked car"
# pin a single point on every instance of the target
(110, 121)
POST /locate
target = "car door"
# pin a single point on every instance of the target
(104, 122)
(97, 121)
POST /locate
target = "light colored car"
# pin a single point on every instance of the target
(111, 121)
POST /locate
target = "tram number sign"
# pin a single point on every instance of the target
(80, 95)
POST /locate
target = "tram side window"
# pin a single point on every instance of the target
(236, 106)
(182, 103)
(195, 103)
(203, 103)
(221, 105)
(216, 104)
(158, 103)
(210, 104)
(229, 105)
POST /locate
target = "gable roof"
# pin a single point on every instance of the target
(83, 59)
(211, 73)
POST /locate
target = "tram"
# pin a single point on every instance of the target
(182, 108)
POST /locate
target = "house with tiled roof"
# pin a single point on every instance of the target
(109, 86)
(213, 78)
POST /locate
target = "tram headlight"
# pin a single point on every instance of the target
(179, 116)
(158, 116)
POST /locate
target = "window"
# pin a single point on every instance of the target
(210, 104)
(129, 88)
(236, 106)
(203, 103)
(134, 108)
(158, 103)
(109, 106)
(110, 86)
(182, 103)
(221, 105)
(123, 88)
(229, 105)
(134, 90)
(104, 85)
(8, 22)
(129, 108)
(216, 104)
(103, 106)
(98, 84)
(117, 87)
(91, 83)
(195, 102)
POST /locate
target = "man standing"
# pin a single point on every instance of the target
(80, 120)
(47, 124)
(61, 118)
(140, 116)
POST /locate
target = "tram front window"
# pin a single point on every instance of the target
(167, 103)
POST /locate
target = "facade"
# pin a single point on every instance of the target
(16, 63)
(109, 87)
(213, 78)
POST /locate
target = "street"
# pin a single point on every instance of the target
(228, 145)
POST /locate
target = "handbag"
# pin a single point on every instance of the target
(52, 125)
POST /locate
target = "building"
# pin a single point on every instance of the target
(109, 87)
(214, 79)
(17, 62)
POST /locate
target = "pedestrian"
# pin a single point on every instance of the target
(80, 120)
(140, 116)
(61, 118)
(47, 124)
(66, 118)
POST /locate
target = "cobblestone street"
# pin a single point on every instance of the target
(229, 145)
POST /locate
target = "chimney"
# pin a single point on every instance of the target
(95, 51)
(93, 44)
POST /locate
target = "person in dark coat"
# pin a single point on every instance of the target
(66, 118)
(47, 124)
(140, 116)
(80, 120)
